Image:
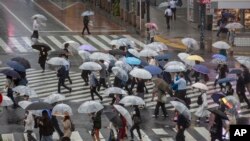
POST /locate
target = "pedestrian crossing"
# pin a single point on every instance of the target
(23, 44)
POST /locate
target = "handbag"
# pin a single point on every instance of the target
(164, 99)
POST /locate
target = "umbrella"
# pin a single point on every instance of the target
(116, 52)
(25, 90)
(161, 84)
(87, 48)
(151, 26)
(174, 63)
(183, 56)
(114, 90)
(163, 4)
(23, 104)
(200, 86)
(201, 69)
(62, 109)
(163, 57)
(58, 61)
(134, 52)
(225, 80)
(53, 98)
(123, 65)
(133, 61)
(230, 101)
(22, 61)
(143, 63)
(92, 66)
(235, 71)
(181, 108)
(126, 42)
(148, 53)
(174, 68)
(118, 42)
(219, 56)
(244, 60)
(39, 46)
(234, 25)
(154, 70)
(156, 46)
(10, 73)
(195, 58)
(221, 45)
(6, 101)
(190, 43)
(219, 113)
(84, 55)
(114, 118)
(38, 106)
(102, 56)
(218, 61)
(72, 44)
(90, 107)
(87, 13)
(132, 100)
(140, 73)
(120, 73)
(176, 99)
(217, 96)
(124, 113)
(39, 16)
(16, 66)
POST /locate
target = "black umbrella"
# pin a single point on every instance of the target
(22, 61)
(114, 118)
(10, 73)
(116, 52)
(39, 106)
(219, 113)
(38, 46)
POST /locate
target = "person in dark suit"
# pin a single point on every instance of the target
(62, 74)
(85, 24)
(42, 58)
(85, 76)
(241, 90)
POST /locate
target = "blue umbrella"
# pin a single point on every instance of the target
(219, 57)
(162, 64)
(217, 96)
(133, 61)
(163, 57)
(10, 73)
(236, 71)
(16, 66)
(154, 70)
(201, 69)
(225, 80)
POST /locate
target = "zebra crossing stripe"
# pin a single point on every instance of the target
(167, 139)
(203, 132)
(75, 136)
(43, 41)
(55, 41)
(143, 135)
(5, 47)
(100, 44)
(80, 39)
(100, 136)
(141, 44)
(114, 36)
(26, 138)
(8, 137)
(29, 43)
(188, 136)
(159, 131)
(16, 44)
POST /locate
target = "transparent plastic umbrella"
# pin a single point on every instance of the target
(25, 90)
(132, 100)
(221, 45)
(234, 25)
(53, 98)
(123, 65)
(156, 46)
(90, 107)
(87, 13)
(134, 52)
(140, 73)
(201, 86)
(92, 66)
(23, 104)
(148, 53)
(114, 90)
(124, 113)
(84, 55)
(62, 109)
(181, 108)
(40, 17)
(190, 43)
(57, 61)
(120, 73)
(6, 101)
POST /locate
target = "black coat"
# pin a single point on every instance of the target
(62, 72)
(240, 86)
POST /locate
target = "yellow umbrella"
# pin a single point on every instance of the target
(195, 58)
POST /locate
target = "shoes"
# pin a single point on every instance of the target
(155, 116)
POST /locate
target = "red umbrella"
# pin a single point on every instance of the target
(1, 98)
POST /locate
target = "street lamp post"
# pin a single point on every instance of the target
(148, 17)
(202, 25)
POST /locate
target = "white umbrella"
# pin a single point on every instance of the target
(23, 104)
(92, 66)
(84, 55)
(201, 86)
(244, 60)
(25, 90)
(148, 53)
(120, 73)
(234, 25)
(125, 66)
(90, 107)
(72, 44)
(127, 42)
(183, 56)
(39, 16)
(118, 42)
(174, 68)
(132, 100)
(174, 63)
(190, 43)
(181, 108)
(114, 90)
(6, 101)
(54, 97)
(221, 45)
(57, 61)
(124, 113)
(87, 13)
(156, 46)
(134, 52)
(163, 4)
(140, 73)
(96, 56)
(62, 109)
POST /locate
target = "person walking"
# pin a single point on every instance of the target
(85, 76)
(168, 14)
(35, 34)
(56, 126)
(62, 74)
(136, 117)
(246, 76)
(241, 90)
(215, 127)
(160, 102)
(67, 52)
(181, 125)
(122, 130)
(46, 127)
(97, 124)
(182, 86)
(29, 124)
(93, 83)
(172, 4)
(43, 53)
(85, 24)
(67, 126)
(152, 33)
(9, 84)
(103, 75)
(202, 109)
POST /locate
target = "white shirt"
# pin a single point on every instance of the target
(35, 25)
(172, 4)
(29, 122)
(168, 12)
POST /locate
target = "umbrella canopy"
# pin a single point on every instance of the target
(174, 63)
(225, 80)
(218, 61)
(200, 86)
(181, 108)
(140, 73)
(85, 55)
(87, 48)
(16, 66)
(148, 53)
(87, 13)
(234, 25)
(101, 56)
(118, 42)
(90, 107)
(124, 113)
(126, 42)
(195, 58)
(154, 70)
(163, 4)
(156, 46)
(114, 118)
(72, 44)
(132, 100)
(120, 73)
(58, 61)
(183, 56)
(190, 43)
(218, 113)
(230, 101)
(151, 26)
(235, 71)
(92, 66)
(244, 60)
(219, 56)
(25, 90)
(163, 57)
(62, 109)
(174, 68)
(123, 65)
(161, 84)
(221, 45)
(114, 90)
(53, 98)
(23, 104)
(22, 61)
(10, 73)
(201, 69)
(39, 46)
(116, 52)
(134, 52)
(176, 99)
(217, 96)
(6, 101)
(133, 61)
(38, 106)
(39, 16)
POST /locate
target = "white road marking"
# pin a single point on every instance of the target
(5, 47)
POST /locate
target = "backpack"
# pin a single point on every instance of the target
(199, 100)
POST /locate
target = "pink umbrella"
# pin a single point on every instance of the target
(151, 25)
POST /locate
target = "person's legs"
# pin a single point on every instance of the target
(84, 27)
(92, 90)
(59, 86)
(219, 31)
(168, 19)
(96, 93)
(131, 131)
(29, 136)
(163, 108)
(138, 131)
(63, 84)
(244, 97)
(97, 134)
(88, 29)
(157, 106)
(180, 135)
